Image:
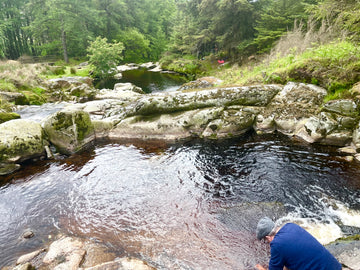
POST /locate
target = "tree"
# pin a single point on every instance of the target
(104, 56)
(13, 38)
(60, 26)
(275, 18)
(343, 15)
(136, 46)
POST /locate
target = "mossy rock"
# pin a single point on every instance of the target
(34, 99)
(69, 130)
(20, 140)
(7, 116)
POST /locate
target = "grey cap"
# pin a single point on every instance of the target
(264, 227)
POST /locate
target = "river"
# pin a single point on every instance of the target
(148, 81)
(192, 205)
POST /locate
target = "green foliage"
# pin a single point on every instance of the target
(136, 46)
(104, 56)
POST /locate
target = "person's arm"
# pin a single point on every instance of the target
(258, 266)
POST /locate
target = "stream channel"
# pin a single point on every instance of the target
(189, 205)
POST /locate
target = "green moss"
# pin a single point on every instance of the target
(7, 86)
(32, 98)
(4, 117)
(84, 125)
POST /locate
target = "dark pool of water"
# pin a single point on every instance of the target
(166, 203)
(147, 80)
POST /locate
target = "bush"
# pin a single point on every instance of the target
(104, 56)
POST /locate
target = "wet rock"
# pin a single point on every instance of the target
(96, 254)
(69, 130)
(28, 234)
(21, 140)
(123, 264)
(27, 258)
(26, 266)
(6, 169)
(65, 253)
(347, 253)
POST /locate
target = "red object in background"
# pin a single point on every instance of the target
(221, 61)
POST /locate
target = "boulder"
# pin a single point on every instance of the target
(169, 127)
(21, 140)
(69, 130)
(232, 122)
(217, 97)
(65, 253)
(287, 111)
(79, 89)
(127, 67)
(344, 107)
(71, 253)
(328, 128)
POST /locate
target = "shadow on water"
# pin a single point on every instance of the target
(191, 205)
(148, 81)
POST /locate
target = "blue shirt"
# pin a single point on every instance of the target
(296, 249)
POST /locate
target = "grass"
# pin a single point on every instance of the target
(334, 66)
(29, 78)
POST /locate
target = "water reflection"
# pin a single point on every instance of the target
(148, 81)
(188, 206)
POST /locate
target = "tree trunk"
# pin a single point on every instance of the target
(63, 41)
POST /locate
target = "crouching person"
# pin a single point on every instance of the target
(293, 248)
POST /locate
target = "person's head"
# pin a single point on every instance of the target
(265, 229)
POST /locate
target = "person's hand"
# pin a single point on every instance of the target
(258, 266)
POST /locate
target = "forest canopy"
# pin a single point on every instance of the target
(148, 28)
